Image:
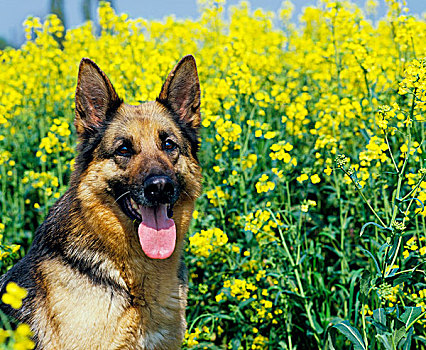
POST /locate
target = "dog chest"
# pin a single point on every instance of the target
(79, 314)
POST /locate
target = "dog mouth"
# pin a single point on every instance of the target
(156, 229)
(133, 210)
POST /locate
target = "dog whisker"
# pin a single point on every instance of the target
(124, 194)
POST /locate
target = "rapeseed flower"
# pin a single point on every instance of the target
(23, 339)
(14, 295)
(279, 101)
(207, 242)
(302, 178)
(250, 161)
(315, 179)
(263, 185)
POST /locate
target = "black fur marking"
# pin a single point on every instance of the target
(92, 270)
(22, 273)
(85, 154)
(190, 133)
(89, 141)
(51, 239)
(183, 273)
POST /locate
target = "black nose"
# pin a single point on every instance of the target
(158, 189)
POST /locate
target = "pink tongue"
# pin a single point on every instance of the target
(157, 233)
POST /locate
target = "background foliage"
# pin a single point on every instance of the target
(312, 134)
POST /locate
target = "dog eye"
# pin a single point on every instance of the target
(169, 145)
(124, 151)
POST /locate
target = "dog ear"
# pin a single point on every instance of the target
(181, 92)
(95, 98)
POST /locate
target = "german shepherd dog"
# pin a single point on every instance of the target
(105, 268)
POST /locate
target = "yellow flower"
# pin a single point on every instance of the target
(14, 295)
(260, 274)
(315, 179)
(23, 336)
(263, 185)
(270, 135)
(191, 338)
(250, 161)
(302, 178)
(207, 242)
(4, 334)
(404, 148)
(277, 172)
(220, 297)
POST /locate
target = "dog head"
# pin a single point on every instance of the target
(140, 162)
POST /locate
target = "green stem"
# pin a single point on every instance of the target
(365, 199)
(398, 189)
(390, 152)
(394, 206)
(60, 173)
(414, 189)
(343, 262)
(364, 327)
(222, 215)
(395, 255)
(289, 201)
(298, 280)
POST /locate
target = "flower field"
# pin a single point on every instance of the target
(310, 232)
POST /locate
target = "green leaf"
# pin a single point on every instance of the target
(400, 278)
(283, 345)
(244, 303)
(352, 334)
(380, 329)
(317, 327)
(354, 279)
(365, 251)
(365, 284)
(330, 342)
(409, 315)
(379, 321)
(384, 339)
(394, 247)
(399, 334)
(372, 223)
(405, 344)
(379, 315)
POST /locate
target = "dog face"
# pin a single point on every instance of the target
(141, 160)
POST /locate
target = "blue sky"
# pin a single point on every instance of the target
(13, 12)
